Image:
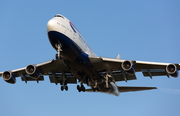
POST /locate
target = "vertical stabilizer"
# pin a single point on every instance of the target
(118, 57)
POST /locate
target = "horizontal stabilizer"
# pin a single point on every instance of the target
(132, 89)
(125, 89)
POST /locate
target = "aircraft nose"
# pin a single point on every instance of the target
(55, 25)
(51, 25)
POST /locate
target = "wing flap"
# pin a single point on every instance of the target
(154, 72)
(120, 77)
(69, 79)
(24, 78)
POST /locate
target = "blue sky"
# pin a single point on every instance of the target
(146, 30)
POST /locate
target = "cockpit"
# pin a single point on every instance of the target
(58, 15)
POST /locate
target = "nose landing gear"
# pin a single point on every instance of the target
(59, 50)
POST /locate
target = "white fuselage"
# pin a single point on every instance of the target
(75, 49)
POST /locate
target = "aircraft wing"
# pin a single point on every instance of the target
(52, 68)
(149, 69)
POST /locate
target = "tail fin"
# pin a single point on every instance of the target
(118, 57)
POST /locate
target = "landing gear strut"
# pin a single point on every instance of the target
(64, 82)
(81, 88)
(108, 77)
(95, 88)
(58, 55)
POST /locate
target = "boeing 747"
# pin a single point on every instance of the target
(75, 61)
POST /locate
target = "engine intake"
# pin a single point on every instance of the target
(9, 77)
(128, 67)
(32, 71)
(171, 69)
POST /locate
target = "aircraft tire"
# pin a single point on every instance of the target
(66, 88)
(56, 56)
(77, 87)
(62, 88)
(79, 90)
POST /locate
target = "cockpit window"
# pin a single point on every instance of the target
(59, 16)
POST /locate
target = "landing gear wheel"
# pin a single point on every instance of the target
(61, 83)
(62, 88)
(56, 56)
(83, 88)
(66, 88)
(95, 89)
(77, 87)
(79, 90)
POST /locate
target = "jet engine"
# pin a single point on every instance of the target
(9, 77)
(171, 69)
(128, 67)
(32, 71)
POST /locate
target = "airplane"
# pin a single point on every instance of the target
(75, 61)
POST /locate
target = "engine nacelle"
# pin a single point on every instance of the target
(9, 77)
(32, 71)
(171, 69)
(128, 67)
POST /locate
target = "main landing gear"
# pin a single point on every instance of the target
(82, 88)
(64, 87)
(64, 82)
(95, 88)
